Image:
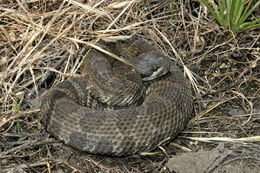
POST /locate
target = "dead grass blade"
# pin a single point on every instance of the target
(200, 115)
(192, 78)
(225, 139)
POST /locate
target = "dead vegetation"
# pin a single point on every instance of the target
(43, 42)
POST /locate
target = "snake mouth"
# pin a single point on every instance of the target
(159, 72)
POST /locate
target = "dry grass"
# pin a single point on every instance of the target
(43, 42)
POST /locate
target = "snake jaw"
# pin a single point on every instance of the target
(159, 72)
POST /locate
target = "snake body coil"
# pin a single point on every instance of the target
(163, 112)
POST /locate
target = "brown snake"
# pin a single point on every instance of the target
(73, 111)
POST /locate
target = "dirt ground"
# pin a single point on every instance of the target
(43, 42)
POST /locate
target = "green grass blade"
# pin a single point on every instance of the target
(245, 12)
(211, 11)
(228, 5)
(16, 107)
(250, 23)
(235, 10)
(239, 12)
(172, 8)
(244, 17)
(237, 6)
(232, 7)
(223, 12)
(18, 126)
(17, 110)
(21, 99)
(250, 27)
(232, 11)
(256, 21)
(215, 8)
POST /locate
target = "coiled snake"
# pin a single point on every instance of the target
(126, 123)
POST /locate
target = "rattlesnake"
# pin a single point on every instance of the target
(125, 124)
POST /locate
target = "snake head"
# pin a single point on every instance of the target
(152, 65)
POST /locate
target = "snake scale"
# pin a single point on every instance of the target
(84, 114)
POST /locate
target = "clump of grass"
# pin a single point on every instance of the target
(232, 14)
